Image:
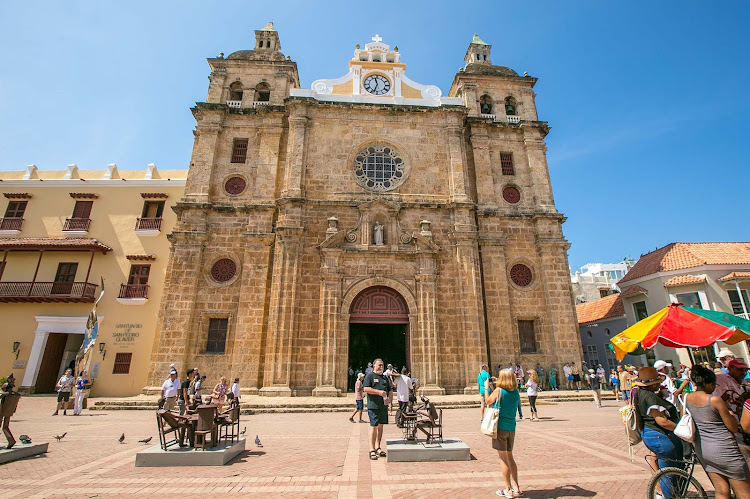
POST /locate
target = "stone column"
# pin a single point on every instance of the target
(328, 335)
(425, 339)
(201, 165)
(485, 180)
(536, 153)
(282, 315)
(295, 160)
(458, 181)
(268, 162)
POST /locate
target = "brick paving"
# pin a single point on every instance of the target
(575, 451)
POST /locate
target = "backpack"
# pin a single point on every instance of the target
(632, 423)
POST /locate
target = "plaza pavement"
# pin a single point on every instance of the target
(575, 451)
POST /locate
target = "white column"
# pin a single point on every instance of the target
(35, 359)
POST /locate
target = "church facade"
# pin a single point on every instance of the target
(368, 216)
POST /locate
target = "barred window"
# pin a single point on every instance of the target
(506, 164)
(527, 336)
(217, 335)
(15, 209)
(239, 150)
(122, 363)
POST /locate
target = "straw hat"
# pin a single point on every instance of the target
(647, 376)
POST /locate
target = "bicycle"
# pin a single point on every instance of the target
(682, 481)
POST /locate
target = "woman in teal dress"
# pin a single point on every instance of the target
(552, 379)
(507, 398)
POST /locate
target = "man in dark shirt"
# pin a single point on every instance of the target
(377, 387)
(183, 397)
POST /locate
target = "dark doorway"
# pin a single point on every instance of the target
(50, 366)
(370, 341)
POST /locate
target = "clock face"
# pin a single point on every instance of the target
(377, 84)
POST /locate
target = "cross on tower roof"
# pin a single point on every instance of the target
(377, 38)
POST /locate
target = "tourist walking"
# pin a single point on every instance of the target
(670, 390)
(377, 387)
(389, 372)
(507, 398)
(199, 390)
(236, 390)
(519, 376)
(403, 392)
(576, 375)
(658, 420)
(169, 390)
(532, 390)
(219, 395)
(595, 383)
(614, 380)
(359, 394)
(625, 382)
(725, 357)
(553, 379)
(369, 369)
(63, 387)
(183, 396)
(715, 444)
(350, 379)
(540, 374)
(484, 374)
(82, 386)
(568, 373)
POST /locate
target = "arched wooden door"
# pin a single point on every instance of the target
(379, 327)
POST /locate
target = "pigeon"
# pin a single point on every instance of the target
(25, 439)
(257, 441)
(60, 437)
(146, 440)
(122, 438)
(244, 430)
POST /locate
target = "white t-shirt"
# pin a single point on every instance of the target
(403, 384)
(236, 390)
(531, 388)
(170, 388)
(669, 385)
(567, 370)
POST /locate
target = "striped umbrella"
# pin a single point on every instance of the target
(677, 326)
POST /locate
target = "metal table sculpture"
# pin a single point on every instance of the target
(425, 418)
(8, 404)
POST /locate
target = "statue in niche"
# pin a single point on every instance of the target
(378, 229)
(8, 404)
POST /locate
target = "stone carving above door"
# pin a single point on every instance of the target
(378, 228)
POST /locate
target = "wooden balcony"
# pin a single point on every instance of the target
(148, 224)
(11, 223)
(133, 291)
(48, 292)
(76, 225)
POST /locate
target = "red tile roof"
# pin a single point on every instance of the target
(685, 279)
(632, 291)
(678, 256)
(603, 308)
(49, 243)
(738, 275)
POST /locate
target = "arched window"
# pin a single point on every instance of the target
(262, 92)
(485, 104)
(510, 106)
(235, 91)
(268, 44)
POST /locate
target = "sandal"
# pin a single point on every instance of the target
(373, 455)
(380, 452)
(504, 493)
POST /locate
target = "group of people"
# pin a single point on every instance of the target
(64, 388)
(720, 409)
(191, 392)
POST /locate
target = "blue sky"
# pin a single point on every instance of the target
(647, 100)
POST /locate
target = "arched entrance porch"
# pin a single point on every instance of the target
(379, 327)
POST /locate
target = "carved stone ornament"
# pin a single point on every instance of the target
(223, 270)
(521, 275)
(379, 168)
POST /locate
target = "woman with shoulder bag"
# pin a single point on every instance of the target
(715, 444)
(507, 397)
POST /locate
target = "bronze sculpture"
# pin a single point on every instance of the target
(8, 404)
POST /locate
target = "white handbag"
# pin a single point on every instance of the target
(489, 421)
(685, 428)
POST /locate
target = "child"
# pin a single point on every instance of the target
(532, 386)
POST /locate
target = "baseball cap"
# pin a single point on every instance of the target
(660, 364)
(725, 352)
(738, 363)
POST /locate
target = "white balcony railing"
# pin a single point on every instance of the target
(744, 316)
(260, 103)
(488, 116)
(234, 104)
(514, 119)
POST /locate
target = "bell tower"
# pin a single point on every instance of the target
(478, 52)
(267, 39)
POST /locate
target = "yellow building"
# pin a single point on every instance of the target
(61, 233)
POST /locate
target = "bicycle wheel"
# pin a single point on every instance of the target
(681, 486)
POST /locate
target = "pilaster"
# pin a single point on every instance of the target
(295, 160)
(328, 334)
(458, 181)
(536, 152)
(425, 354)
(485, 182)
(199, 180)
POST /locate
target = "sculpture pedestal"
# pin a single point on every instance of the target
(187, 456)
(450, 449)
(20, 451)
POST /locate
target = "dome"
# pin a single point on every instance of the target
(489, 70)
(242, 54)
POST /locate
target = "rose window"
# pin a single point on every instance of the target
(379, 168)
(511, 194)
(235, 185)
(521, 275)
(223, 270)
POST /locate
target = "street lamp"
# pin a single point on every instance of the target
(102, 350)
(16, 348)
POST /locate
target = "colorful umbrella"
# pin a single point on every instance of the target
(679, 327)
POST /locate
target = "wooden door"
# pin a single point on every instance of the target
(64, 278)
(50, 366)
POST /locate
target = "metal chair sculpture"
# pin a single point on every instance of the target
(230, 422)
(206, 426)
(168, 426)
(432, 423)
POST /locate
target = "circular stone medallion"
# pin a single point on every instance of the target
(223, 270)
(521, 275)
(511, 195)
(379, 168)
(235, 185)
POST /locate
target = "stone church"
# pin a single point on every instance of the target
(368, 216)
